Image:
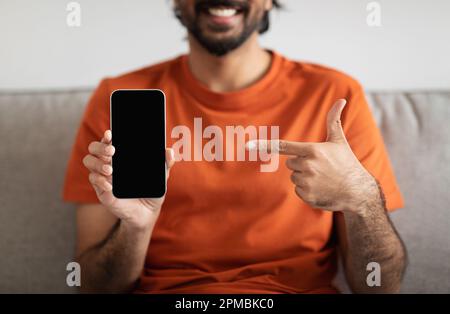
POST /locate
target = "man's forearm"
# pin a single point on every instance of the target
(371, 237)
(115, 264)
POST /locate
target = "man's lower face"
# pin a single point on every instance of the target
(221, 25)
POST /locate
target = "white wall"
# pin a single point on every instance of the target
(38, 50)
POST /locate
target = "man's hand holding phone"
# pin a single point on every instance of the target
(138, 212)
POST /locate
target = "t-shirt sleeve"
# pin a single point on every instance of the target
(366, 141)
(94, 123)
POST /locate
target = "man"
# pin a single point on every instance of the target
(224, 226)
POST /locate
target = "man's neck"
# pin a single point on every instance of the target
(236, 70)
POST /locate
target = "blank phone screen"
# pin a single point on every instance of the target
(138, 136)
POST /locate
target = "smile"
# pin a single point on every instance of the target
(222, 12)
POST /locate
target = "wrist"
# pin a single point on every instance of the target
(140, 224)
(136, 228)
(365, 198)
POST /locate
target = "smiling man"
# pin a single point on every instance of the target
(224, 226)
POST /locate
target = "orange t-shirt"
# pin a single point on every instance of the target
(226, 227)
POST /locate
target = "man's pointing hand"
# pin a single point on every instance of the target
(326, 175)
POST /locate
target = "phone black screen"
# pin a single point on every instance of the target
(138, 136)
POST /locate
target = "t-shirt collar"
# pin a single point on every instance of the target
(236, 99)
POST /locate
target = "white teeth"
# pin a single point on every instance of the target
(222, 12)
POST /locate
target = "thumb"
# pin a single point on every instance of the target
(334, 128)
(170, 161)
(170, 157)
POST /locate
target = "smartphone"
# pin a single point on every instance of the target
(138, 126)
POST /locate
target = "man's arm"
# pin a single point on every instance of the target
(329, 176)
(368, 236)
(113, 238)
(111, 252)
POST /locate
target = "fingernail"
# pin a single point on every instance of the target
(343, 102)
(261, 145)
(252, 145)
(275, 146)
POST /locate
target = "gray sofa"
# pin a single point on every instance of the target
(37, 229)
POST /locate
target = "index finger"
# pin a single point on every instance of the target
(281, 147)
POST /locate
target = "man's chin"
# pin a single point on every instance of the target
(229, 35)
(220, 42)
(219, 48)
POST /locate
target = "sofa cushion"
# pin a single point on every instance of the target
(416, 130)
(36, 133)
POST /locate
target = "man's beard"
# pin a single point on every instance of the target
(222, 46)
